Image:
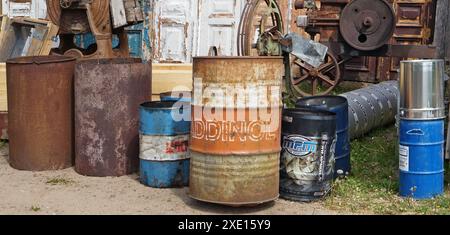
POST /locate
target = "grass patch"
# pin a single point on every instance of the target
(373, 185)
(35, 208)
(59, 181)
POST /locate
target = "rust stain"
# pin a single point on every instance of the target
(108, 93)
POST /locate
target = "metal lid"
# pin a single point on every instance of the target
(40, 59)
(329, 101)
(164, 105)
(239, 57)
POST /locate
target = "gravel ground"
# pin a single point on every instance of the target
(66, 192)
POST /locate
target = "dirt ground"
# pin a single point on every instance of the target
(66, 192)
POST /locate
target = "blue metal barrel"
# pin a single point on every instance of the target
(421, 128)
(421, 154)
(339, 106)
(184, 96)
(164, 150)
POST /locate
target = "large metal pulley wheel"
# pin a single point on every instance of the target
(367, 24)
(74, 21)
(307, 80)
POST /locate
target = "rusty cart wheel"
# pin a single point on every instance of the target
(309, 81)
(255, 13)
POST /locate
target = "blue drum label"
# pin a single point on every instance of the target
(403, 158)
(299, 146)
(307, 159)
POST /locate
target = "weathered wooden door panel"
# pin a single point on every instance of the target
(415, 22)
(218, 23)
(361, 69)
(31, 8)
(172, 35)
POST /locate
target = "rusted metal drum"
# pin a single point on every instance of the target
(40, 102)
(108, 93)
(236, 129)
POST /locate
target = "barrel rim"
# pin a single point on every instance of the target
(421, 61)
(169, 94)
(110, 61)
(239, 57)
(305, 99)
(40, 59)
(168, 105)
(311, 113)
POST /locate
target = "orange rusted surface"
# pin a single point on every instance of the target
(236, 129)
(235, 137)
(236, 105)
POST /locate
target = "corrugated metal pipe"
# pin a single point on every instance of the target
(372, 107)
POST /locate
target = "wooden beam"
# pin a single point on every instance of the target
(442, 29)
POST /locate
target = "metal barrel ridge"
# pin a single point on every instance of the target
(236, 129)
(164, 136)
(308, 155)
(40, 103)
(371, 107)
(108, 93)
(339, 106)
(421, 128)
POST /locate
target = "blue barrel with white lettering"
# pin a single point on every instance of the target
(164, 151)
(339, 106)
(421, 158)
(421, 128)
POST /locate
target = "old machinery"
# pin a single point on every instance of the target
(260, 29)
(83, 16)
(348, 28)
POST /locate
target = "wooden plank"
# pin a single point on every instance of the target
(14, 40)
(37, 39)
(7, 43)
(49, 38)
(441, 27)
(167, 77)
(118, 16)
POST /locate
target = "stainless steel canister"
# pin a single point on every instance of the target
(421, 89)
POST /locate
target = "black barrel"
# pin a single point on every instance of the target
(307, 157)
(339, 106)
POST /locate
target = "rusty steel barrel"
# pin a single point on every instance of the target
(108, 93)
(40, 102)
(236, 129)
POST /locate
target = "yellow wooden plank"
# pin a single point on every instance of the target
(3, 98)
(167, 77)
(172, 67)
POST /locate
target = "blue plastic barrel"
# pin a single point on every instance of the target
(339, 106)
(164, 150)
(421, 154)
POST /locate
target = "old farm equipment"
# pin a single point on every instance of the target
(348, 28)
(84, 16)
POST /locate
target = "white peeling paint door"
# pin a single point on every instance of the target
(218, 25)
(34, 8)
(173, 24)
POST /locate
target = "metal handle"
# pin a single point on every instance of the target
(415, 132)
(213, 51)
